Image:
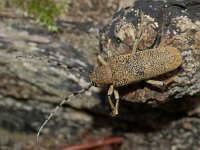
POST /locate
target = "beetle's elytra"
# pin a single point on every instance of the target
(142, 65)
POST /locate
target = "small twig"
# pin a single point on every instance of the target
(95, 144)
(10, 15)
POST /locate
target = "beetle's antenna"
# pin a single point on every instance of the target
(60, 105)
(55, 63)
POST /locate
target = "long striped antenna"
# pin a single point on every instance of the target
(60, 105)
(55, 63)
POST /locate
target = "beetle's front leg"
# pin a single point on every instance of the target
(115, 107)
(109, 51)
(101, 60)
(110, 92)
(116, 94)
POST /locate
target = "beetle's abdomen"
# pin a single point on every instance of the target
(129, 68)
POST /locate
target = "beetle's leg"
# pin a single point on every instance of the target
(163, 84)
(137, 40)
(155, 82)
(109, 51)
(101, 60)
(116, 94)
(138, 36)
(171, 80)
(110, 92)
(135, 46)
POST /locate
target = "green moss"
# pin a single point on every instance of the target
(44, 11)
(1, 5)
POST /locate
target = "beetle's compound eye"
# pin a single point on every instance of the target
(93, 84)
(90, 72)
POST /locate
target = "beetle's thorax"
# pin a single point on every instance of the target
(102, 75)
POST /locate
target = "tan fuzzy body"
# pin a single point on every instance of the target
(142, 65)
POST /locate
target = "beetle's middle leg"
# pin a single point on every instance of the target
(137, 41)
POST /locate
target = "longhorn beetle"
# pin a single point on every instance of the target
(127, 69)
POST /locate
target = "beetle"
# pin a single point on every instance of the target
(126, 69)
(131, 68)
